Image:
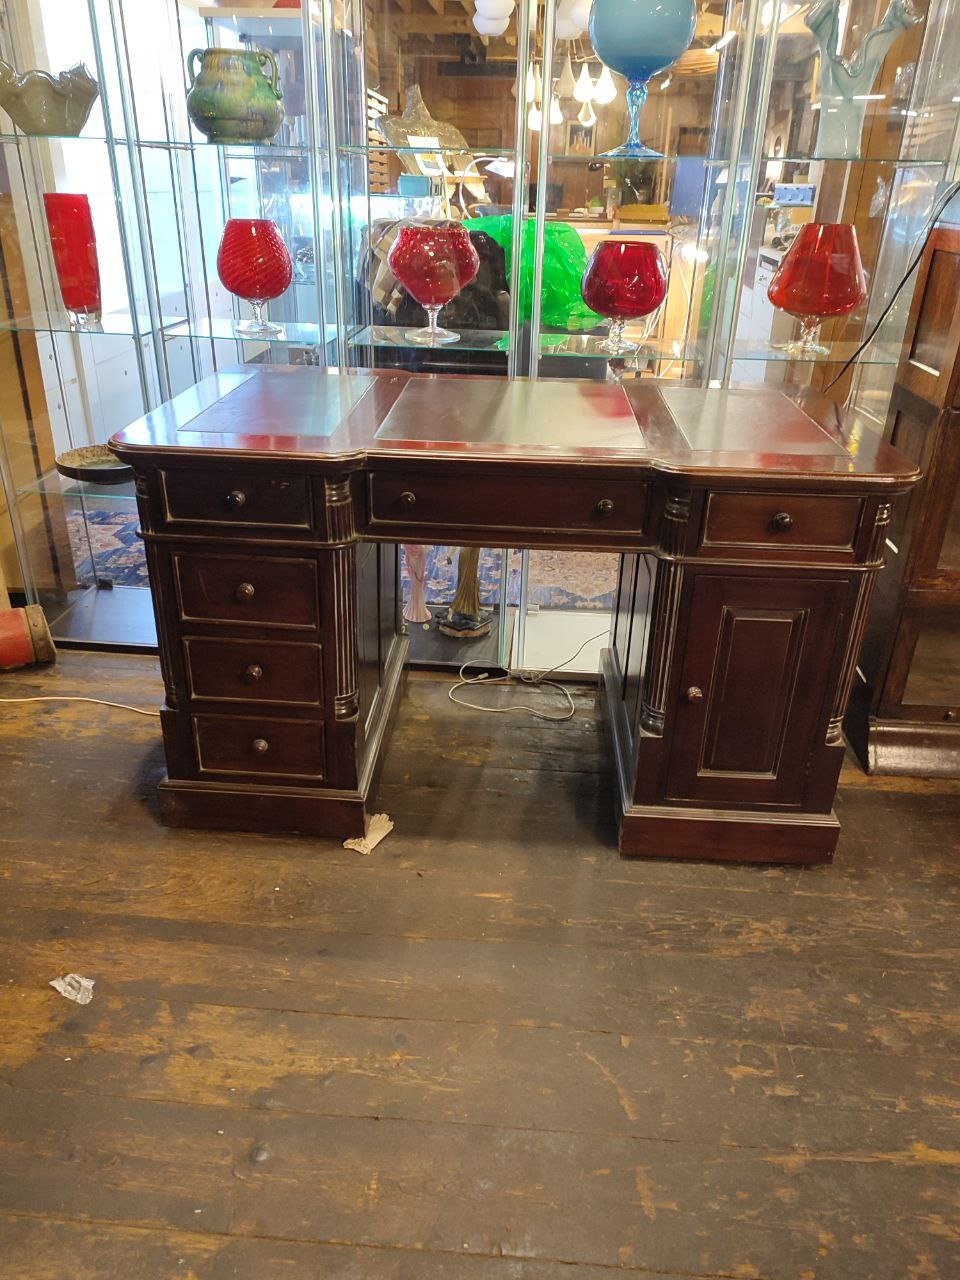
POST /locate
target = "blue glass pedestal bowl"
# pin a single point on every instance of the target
(637, 39)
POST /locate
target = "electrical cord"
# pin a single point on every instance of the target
(122, 706)
(938, 209)
(525, 677)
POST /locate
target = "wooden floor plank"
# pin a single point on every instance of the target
(705, 1091)
(784, 1002)
(483, 1190)
(57, 1250)
(490, 1051)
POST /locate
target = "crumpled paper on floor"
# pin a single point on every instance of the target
(75, 988)
(378, 827)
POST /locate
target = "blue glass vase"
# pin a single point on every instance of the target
(638, 38)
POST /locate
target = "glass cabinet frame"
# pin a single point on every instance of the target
(330, 176)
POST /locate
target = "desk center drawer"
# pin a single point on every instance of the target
(468, 502)
(263, 591)
(253, 671)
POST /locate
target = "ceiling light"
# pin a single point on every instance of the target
(534, 118)
(556, 115)
(567, 83)
(587, 115)
(604, 90)
(584, 87)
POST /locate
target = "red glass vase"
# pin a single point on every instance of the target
(624, 280)
(74, 255)
(254, 263)
(820, 276)
(433, 261)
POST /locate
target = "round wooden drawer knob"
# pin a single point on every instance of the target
(604, 508)
(246, 591)
(261, 746)
(235, 499)
(782, 522)
(254, 672)
(407, 499)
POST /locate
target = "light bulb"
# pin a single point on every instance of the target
(490, 26)
(580, 13)
(537, 84)
(583, 90)
(534, 118)
(604, 90)
(556, 115)
(531, 90)
(567, 83)
(587, 115)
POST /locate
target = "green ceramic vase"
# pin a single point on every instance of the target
(231, 99)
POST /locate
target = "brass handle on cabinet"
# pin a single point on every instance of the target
(782, 522)
(604, 508)
(407, 499)
(245, 591)
(254, 672)
(694, 693)
(261, 746)
(235, 499)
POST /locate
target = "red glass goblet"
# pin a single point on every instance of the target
(624, 280)
(433, 261)
(254, 263)
(820, 276)
(74, 255)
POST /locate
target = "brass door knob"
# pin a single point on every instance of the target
(235, 499)
(254, 672)
(604, 508)
(245, 591)
(407, 499)
(694, 693)
(261, 746)
(782, 522)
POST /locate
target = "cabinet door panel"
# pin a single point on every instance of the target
(753, 684)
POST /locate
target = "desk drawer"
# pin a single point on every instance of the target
(253, 671)
(260, 746)
(775, 521)
(236, 498)
(263, 591)
(564, 505)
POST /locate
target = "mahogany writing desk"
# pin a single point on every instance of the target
(272, 500)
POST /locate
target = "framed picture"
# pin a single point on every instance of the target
(580, 139)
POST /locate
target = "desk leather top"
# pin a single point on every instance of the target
(350, 417)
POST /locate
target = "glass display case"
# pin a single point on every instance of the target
(430, 113)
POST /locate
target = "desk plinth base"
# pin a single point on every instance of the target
(224, 807)
(700, 834)
(713, 835)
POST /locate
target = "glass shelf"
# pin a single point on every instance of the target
(238, 150)
(292, 333)
(551, 344)
(879, 353)
(588, 344)
(118, 324)
(896, 162)
(478, 153)
(82, 492)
